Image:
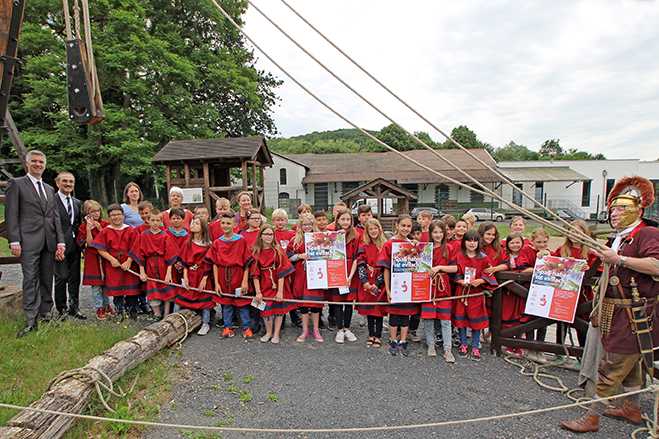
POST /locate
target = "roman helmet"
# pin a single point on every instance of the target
(633, 194)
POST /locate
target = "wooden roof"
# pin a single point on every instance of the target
(389, 189)
(230, 149)
(367, 166)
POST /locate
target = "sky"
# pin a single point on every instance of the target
(584, 72)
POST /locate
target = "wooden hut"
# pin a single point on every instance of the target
(210, 164)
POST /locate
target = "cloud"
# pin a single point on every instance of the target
(586, 72)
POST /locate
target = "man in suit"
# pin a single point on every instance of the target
(67, 271)
(35, 236)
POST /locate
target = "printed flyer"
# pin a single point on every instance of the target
(555, 287)
(411, 267)
(326, 260)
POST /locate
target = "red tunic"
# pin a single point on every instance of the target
(384, 262)
(453, 247)
(300, 290)
(368, 257)
(155, 252)
(352, 249)
(441, 287)
(250, 238)
(192, 256)
(283, 237)
(117, 242)
(526, 258)
(425, 237)
(187, 219)
(526, 243)
(470, 312)
(268, 267)
(231, 258)
(93, 273)
(142, 227)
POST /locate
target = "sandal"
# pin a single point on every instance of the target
(377, 343)
(369, 342)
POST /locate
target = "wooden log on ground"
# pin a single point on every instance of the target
(11, 300)
(72, 395)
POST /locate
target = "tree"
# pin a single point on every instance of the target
(514, 152)
(551, 148)
(168, 69)
(465, 137)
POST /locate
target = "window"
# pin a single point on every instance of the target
(347, 186)
(585, 194)
(517, 195)
(441, 195)
(539, 190)
(609, 185)
(282, 176)
(320, 196)
(476, 197)
(414, 188)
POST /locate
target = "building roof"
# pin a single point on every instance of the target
(554, 173)
(366, 166)
(228, 149)
(388, 190)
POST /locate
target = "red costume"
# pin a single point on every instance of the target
(187, 219)
(283, 237)
(367, 260)
(155, 252)
(470, 312)
(192, 256)
(117, 242)
(453, 247)
(231, 257)
(250, 238)
(441, 287)
(384, 262)
(93, 273)
(268, 267)
(300, 290)
(332, 294)
(510, 303)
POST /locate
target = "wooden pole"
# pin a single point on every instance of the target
(255, 189)
(72, 395)
(207, 184)
(186, 174)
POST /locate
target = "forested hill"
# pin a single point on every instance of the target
(351, 140)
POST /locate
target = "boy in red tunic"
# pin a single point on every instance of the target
(155, 252)
(144, 209)
(364, 213)
(230, 258)
(222, 205)
(424, 218)
(283, 236)
(322, 222)
(92, 274)
(113, 244)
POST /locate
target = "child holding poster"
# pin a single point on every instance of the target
(470, 312)
(399, 314)
(432, 312)
(343, 313)
(526, 262)
(297, 254)
(371, 281)
(282, 234)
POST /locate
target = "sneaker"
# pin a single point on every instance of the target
(110, 311)
(228, 333)
(274, 340)
(318, 337)
(132, 314)
(462, 350)
(475, 354)
(432, 352)
(100, 314)
(402, 348)
(349, 335)
(393, 347)
(302, 337)
(340, 336)
(266, 338)
(247, 333)
(448, 357)
(414, 337)
(204, 329)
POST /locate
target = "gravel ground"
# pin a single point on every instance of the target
(327, 385)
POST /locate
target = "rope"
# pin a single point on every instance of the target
(584, 238)
(92, 375)
(371, 136)
(324, 302)
(187, 329)
(425, 119)
(330, 430)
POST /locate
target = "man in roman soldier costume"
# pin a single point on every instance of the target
(625, 311)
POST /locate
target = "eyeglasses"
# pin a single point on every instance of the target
(267, 234)
(472, 240)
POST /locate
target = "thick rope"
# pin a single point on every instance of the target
(375, 139)
(330, 430)
(187, 329)
(91, 375)
(586, 239)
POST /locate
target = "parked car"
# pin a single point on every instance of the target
(435, 212)
(484, 214)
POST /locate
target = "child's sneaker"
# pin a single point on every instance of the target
(415, 337)
(100, 314)
(393, 347)
(204, 329)
(432, 352)
(475, 354)
(302, 337)
(402, 348)
(340, 336)
(462, 350)
(448, 357)
(349, 335)
(318, 337)
(110, 311)
(228, 333)
(247, 333)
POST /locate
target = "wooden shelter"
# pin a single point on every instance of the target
(381, 189)
(208, 164)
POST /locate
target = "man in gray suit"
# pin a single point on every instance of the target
(35, 235)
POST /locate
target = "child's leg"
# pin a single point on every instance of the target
(347, 316)
(278, 322)
(155, 306)
(305, 321)
(245, 319)
(446, 334)
(371, 326)
(227, 315)
(315, 318)
(429, 330)
(206, 316)
(268, 326)
(378, 327)
(404, 329)
(476, 338)
(393, 327)
(177, 307)
(119, 303)
(167, 306)
(97, 292)
(462, 334)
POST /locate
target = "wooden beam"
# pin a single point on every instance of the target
(231, 188)
(186, 174)
(15, 137)
(207, 183)
(255, 191)
(243, 171)
(168, 176)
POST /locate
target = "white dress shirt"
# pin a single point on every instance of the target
(36, 180)
(64, 203)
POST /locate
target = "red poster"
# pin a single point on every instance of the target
(420, 286)
(564, 305)
(336, 273)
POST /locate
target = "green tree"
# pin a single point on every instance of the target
(465, 137)
(168, 69)
(514, 152)
(551, 149)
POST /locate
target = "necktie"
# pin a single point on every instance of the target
(69, 209)
(42, 194)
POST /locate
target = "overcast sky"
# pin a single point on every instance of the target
(586, 72)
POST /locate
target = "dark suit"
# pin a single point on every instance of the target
(67, 272)
(35, 224)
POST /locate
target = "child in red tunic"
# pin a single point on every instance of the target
(297, 254)
(517, 225)
(456, 241)
(399, 314)
(364, 214)
(471, 278)
(222, 205)
(439, 311)
(195, 274)
(144, 209)
(230, 258)
(254, 222)
(424, 218)
(155, 252)
(282, 234)
(526, 263)
(89, 229)
(321, 220)
(268, 271)
(371, 280)
(492, 247)
(113, 244)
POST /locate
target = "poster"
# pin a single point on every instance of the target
(411, 267)
(555, 288)
(193, 195)
(326, 260)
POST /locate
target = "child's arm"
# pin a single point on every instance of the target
(89, 238)
(168, 274)
(280, 288)
(143, 275)
(444, 269)
(244, 284)
(387, 283)
(257, 288)
(216, 276)
(496, 268)
(108, 257)
(353, 269)
(126, 264)
(201, 283)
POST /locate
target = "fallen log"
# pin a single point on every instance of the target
(72, 394)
